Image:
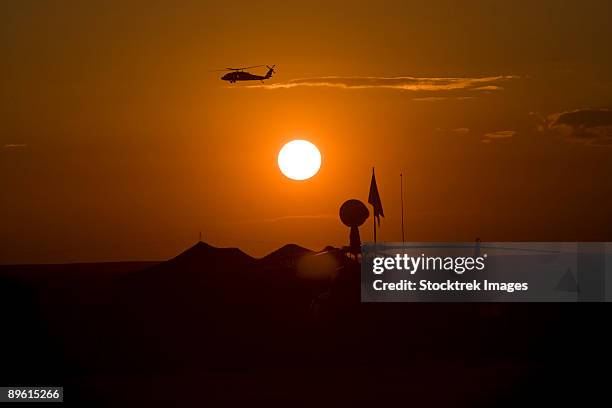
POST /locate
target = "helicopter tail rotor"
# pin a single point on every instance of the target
(270, 71)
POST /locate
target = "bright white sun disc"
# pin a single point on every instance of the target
(299, 160)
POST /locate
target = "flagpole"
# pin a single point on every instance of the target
(374, 199)
(373, 209)
(374, 219)
(402, 203)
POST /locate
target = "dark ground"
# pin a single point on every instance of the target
(216, 327)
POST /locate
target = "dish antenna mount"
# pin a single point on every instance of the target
(353, 213)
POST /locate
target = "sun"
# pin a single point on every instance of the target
(299, 160)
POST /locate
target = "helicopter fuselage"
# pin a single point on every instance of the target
(241, 76)
(234, 76)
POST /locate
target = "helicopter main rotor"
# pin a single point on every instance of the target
(237, 69)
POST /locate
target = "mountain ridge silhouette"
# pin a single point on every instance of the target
(203, 252)
(288, 251)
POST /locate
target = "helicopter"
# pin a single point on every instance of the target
(238, 74)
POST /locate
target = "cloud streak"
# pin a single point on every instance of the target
(592, 127)
(498, 135)
(458, 131)
(402, 83)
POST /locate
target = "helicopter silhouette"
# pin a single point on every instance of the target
(238, 74)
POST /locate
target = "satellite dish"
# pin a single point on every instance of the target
(353, 213)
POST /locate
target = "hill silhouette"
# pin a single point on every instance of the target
(202, 252)
(228, 272)
(289, 251)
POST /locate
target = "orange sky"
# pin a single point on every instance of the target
(118, 144)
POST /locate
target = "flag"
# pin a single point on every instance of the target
(374, 199)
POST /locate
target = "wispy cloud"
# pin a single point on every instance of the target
(500, 134)
(403, 83)
(497, 135)
(489, 88)
(458, 131)
(15, 146)
(592, 127)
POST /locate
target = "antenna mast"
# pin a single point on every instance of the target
(402, 203)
